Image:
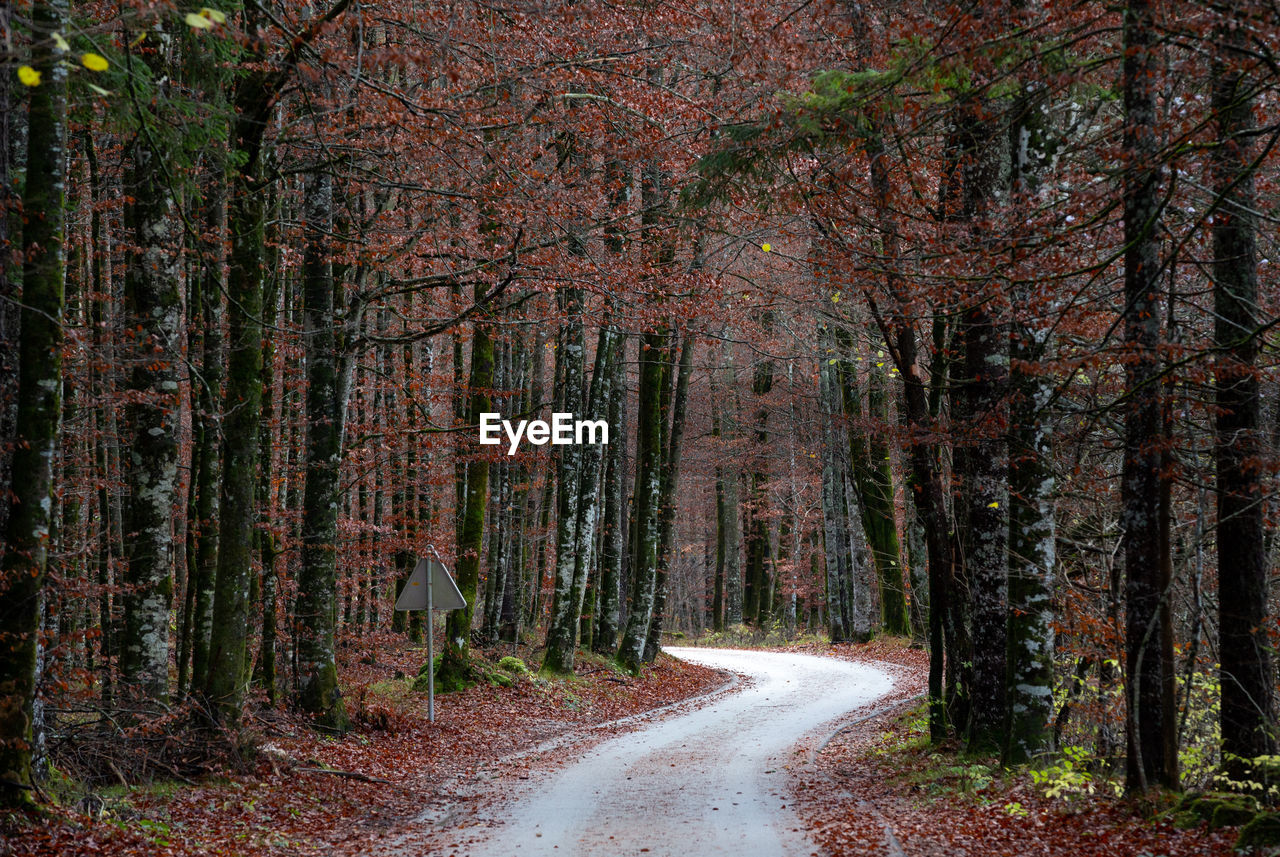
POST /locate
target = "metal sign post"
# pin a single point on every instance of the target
(420, 593)
(431, 653)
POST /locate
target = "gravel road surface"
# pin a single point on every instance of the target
(706, 782)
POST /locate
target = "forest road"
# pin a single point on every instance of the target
(708, 782)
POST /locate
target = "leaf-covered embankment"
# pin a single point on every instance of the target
(306, 793)
(881, 789)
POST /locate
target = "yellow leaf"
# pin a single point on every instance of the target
(880, 364)
(213, 15)
(139, 39)
(198, 22)
(995, 505)
(60, 43)
(831, 362)
(766, 247)
(28, 75)
(94, 62)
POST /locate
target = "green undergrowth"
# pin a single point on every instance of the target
(943, 773)
(746, 636)
(937, 772)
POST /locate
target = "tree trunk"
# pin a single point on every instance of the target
(455, 661)
(835, 533)
(318, 693)
(872, 473)
(225, 684)
(1248, 711)
(154, 308)
(648, 497)
(22, 574)
(756, 606)
(669, 497)
(208, 417)
(1148, 720)
(1032, 530)
(609, 591)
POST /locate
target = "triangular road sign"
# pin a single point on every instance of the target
(444, 594)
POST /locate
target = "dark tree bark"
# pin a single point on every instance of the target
(608, 601)
(1248, 710)
(756, 606)
(674, 440)
(207, 404)
(318, 693)
(648, 497)
(1149, 722)
(26, 537)
(226, 683)
(455, 662)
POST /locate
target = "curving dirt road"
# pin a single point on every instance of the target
(707, 782)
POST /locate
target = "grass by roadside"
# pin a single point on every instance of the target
(882, 789)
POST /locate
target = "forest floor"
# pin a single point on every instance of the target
(369, 791)
(878, 788)
(396, 783)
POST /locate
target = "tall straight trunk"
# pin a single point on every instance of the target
(580, 479)
(718, 593)
(26, 537)
(1032, 532)
(208, 416)
(985, 497)
(455, 662)
(571, 368)
(225, 684)
(648, 497)
(499, 474)
(614, 546)
(154, 310)
(1248, 711)
(270, 433)
(756, 606)
(318, 693)
(10, 237)
(111, 529)
(975, 162)
(925, 481)
(727, 481)
(669, 493)
(872, 472)
(835, 534)
(1149, 720)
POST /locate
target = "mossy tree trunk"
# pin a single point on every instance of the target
(318, 693)
(154, 311)
(669, 493)
(581, 478)
(455, 659)
(226, 681)
(835, 509)
(648, 497)
(26, 538)
(208, 421)
(872, 472)
(613, 545)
